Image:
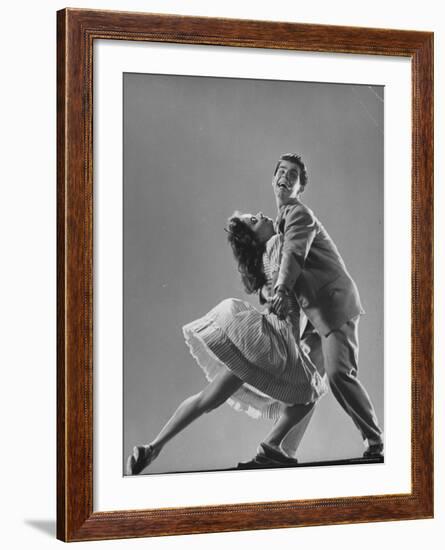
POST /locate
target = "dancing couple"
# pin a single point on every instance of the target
(275, 363)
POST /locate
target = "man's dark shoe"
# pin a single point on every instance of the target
(266, 452)
(374, 451)
(268, 457)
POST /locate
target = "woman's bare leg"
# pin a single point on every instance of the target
(289, 445)
(211, 397)
(292, 415)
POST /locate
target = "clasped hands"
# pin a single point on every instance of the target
(279, 303)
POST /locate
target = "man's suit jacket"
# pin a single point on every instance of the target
(312, 267)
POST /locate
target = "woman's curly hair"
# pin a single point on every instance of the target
(248, 253)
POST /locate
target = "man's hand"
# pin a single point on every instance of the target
(280, 303)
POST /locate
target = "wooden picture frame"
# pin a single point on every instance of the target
(76, 32)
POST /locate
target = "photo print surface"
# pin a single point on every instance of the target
(197, 149)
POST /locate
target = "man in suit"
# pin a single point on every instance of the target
(312, 268)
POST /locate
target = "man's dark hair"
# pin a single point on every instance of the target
(295, 159)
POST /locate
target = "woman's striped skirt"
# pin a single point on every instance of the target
(261, 350)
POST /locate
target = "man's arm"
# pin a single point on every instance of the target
(299, 231)
(279, 303)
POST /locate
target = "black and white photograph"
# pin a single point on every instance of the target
(253, 274)
(221, 237)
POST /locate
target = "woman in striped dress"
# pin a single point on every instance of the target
(252, 360)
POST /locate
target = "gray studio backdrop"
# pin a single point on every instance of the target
(196, 149)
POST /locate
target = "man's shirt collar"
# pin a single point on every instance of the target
(290, 202)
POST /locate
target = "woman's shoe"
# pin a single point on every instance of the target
(142, 456)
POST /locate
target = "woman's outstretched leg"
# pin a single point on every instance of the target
(215, 394)
(211, 397)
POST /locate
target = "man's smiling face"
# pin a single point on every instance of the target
(286, 181)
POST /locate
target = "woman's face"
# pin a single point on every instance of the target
(260, 224)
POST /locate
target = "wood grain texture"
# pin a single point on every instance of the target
(76, 32)
(61, 268)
